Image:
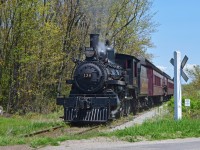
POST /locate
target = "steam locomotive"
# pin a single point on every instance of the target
(107, 85)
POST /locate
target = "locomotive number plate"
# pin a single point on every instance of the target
(87, 75)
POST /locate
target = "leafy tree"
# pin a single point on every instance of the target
(193, 88)
(38, 40)
(127, 23)
(192, 91)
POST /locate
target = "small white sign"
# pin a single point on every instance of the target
(1, 110)
(187, 102)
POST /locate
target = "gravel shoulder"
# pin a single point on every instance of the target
(139, 119)
(105, 143)
(16, 147)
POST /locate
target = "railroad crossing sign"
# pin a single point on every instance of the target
(184, 61)
(178, 72)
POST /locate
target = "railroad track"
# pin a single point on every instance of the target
(85, 129)
(72, 129)
(43, 131)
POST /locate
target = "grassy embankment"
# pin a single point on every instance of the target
(166, 127)
(160, 129)
(155, 129)
(12, 129)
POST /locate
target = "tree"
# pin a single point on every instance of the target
(38, 40)
(193, 87)
(127, 23)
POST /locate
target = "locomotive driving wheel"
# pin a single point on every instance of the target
(135, 106)
(125, 108)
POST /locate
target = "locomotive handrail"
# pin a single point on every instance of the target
(88, 95)
(93, 95)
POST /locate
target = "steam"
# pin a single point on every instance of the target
(101, 48)
(106, 53)
(96, 11)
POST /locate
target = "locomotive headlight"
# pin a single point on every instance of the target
(89, 52)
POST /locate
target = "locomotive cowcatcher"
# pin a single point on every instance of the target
(107, 85)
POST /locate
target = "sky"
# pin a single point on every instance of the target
(178, 30)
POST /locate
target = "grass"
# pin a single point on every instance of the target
(150, 130)
(42, 141)
(55, 141)
(188, 112)
(13, 128)
(160, 129)
(20, 126)
(165, 127)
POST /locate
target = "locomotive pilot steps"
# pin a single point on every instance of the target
(107, 85)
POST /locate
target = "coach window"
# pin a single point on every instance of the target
(157, 81)
(135, 69)
(129, 64)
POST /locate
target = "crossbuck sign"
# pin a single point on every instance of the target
(178, 72)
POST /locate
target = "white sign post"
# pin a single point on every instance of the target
(178, 72)
(177, 86)
(1, 110)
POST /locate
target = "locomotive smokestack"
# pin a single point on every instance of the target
(94, 40)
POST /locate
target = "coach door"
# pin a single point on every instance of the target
(150, 81)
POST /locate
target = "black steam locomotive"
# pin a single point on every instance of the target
(107, 85)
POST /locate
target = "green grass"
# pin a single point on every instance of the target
(160, 129)
(20, 126)
(13, 129)
(55, 141)
(36, 142)
(187, 112)
(150, 130)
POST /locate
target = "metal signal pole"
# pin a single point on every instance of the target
(178, 72)
(177, 86)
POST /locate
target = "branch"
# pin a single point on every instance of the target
(117, 14)
(134, 16)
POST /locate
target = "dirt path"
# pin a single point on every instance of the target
(99, 142)
(139, 119)
(16, 147)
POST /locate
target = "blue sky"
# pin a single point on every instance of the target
(179, 30)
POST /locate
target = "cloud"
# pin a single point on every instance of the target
(163, 68)
(189, 66)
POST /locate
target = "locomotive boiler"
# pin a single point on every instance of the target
(106, 85)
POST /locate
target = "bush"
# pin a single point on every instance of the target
(193, 111)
